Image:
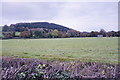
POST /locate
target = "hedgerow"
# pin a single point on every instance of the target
(34, 69)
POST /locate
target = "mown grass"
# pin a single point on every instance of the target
(104, 50)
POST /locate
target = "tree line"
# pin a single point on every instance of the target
(45, 33)
(47, 30)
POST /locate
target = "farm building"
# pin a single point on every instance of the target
(99, 35)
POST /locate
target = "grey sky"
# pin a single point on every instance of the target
(82, 16)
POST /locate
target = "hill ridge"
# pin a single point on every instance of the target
(46, 25)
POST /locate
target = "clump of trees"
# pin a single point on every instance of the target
(55, 33)
(49, 30)
(26, 34)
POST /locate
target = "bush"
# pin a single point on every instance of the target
(34, 69)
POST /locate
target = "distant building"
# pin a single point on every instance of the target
(99, 35)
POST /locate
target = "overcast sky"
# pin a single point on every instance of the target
(82, 16)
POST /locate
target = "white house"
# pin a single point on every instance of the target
(99, 35)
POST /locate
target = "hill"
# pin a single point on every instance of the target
(46, 25)
(38, 30)
(49, 30)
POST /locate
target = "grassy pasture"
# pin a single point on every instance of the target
(103, 50)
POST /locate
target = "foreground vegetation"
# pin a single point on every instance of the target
(33, 69)
(103, 50)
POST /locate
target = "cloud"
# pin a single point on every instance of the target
(60, 0)
(82, 16)
(89, 16)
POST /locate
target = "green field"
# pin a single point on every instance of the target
(103, 50)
